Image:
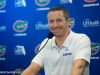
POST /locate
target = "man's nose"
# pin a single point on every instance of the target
(55, 24)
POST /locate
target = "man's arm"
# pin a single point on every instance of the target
(33, 69)
(79, 67)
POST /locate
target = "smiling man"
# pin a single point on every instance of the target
(67, 53)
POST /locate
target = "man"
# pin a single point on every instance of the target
(67, 53)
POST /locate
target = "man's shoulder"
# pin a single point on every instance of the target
(80, 36)
(46, 42)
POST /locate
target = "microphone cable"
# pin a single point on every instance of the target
(50, 35)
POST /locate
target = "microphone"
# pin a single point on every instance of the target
(50, 35)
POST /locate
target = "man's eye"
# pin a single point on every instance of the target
(59, 20)
(51, 21)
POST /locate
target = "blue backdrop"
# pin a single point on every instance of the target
(23, 25)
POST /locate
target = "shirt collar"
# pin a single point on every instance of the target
(53, 42)
(66, 42)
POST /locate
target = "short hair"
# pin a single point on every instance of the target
(65, 11)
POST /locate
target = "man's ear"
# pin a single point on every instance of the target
(68, 22)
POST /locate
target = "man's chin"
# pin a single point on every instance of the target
(56, 35)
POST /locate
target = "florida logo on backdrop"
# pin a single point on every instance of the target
(2, 4)
(2, 28)
(95, 48)
(19, 50)
(42, 2)
(2, 50)
(20, 3)
(20, 26)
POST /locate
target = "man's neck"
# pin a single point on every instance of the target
(60, 40)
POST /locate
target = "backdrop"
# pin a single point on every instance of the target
(23, 26)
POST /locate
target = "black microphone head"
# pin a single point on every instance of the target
(50, 35)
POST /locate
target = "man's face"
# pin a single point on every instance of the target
(57, 22)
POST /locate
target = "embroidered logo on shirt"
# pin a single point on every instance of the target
(65, 54)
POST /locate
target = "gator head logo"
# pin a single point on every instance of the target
(95, 48)
(37, 48)
(20, 26)
(2, 50)
(2, 4)
(42, 2)
(90, 1)
(72, 23)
